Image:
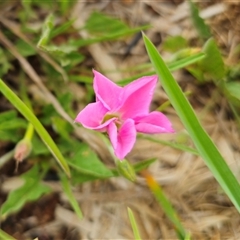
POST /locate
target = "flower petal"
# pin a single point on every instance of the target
(137, 97)
(107, 92)
(92, 115)
(112, 133)
(123, 139)
(155, 122)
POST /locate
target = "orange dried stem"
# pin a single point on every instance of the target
(165, 204)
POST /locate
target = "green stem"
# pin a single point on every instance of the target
(29, 133)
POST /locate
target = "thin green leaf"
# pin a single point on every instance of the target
(173, 66)
(61, 29)
(62, 127)
(26, 112)
(67, 189)
(133, 224)
(107, 37)
(30, 191)
(5, 236)
(202, 141)
(138, 166)
(47, 28)
(181, 63)
(4, 63)
(203, 30)
(143, 164)
(99, 23)
(178, 146)
(126, 170)
(188, 237)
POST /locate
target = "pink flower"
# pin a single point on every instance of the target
(123, 111)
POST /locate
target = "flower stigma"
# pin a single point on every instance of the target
(117, 121)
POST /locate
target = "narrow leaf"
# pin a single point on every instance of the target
(173, 66)
(178, 146)
(107, 37)
(67, 189)
(133, 224)
(47, 28)
(203, 30)
(181, 63)
(138, 166)
(61, 29)
(99, 23)
(126, 170)
(26, 112)
(202, 141)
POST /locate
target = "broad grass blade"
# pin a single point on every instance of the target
(202, 141)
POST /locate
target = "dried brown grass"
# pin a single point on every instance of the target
(201, 204)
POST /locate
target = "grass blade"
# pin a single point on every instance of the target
(177, 146)
(67, 189)
(202, 141)
(203, 29)
(5, 236)
(173, 66)
(134, 224)
(181, 63)
(26, 112)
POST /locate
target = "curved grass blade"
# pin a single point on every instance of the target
(26, 112)
(202, 141)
